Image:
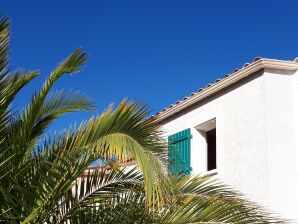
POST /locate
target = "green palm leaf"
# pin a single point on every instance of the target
(4, 43)
(201, 199)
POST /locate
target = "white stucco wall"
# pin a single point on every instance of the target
(256, 128)
(281, 141)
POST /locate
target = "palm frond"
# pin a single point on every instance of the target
(109, 135)
(31, 123)
(12, 83)
(201, 199)
(4, 44)
(125, 131)
(98, 190)
(57, 104)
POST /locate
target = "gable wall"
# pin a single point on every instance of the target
(249, 137)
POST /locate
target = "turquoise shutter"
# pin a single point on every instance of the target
(179, 153)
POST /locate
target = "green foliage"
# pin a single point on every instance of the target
(44, 180)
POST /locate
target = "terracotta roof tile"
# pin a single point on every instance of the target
(236, 70)
(209, 85)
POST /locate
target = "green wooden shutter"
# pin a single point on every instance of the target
(179, 153)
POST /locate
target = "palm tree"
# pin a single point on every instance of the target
(43, 178)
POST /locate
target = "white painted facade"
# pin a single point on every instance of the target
(255, 112)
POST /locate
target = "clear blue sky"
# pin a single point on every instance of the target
(154, 51)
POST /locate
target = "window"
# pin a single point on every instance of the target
(211, 149)
(206, 144)
(179, 153)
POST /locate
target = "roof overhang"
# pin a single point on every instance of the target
(262, 63)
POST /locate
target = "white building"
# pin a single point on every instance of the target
(244, 129)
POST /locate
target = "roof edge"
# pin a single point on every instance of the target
(262, 63)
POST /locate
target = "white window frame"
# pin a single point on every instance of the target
(199, 145)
